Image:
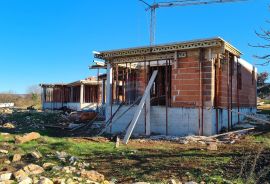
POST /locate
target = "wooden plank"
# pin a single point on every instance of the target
(139, 108)
(232, 132)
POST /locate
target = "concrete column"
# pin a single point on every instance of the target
(82, 94)
(71, 94)
(147, 125)
(108, 91)
(102, 92)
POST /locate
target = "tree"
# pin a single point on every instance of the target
(35, 93)
(262, 78)
(264, 35)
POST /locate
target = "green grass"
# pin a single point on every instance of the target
(48, 145)
(130, 163)
(266, 101)
(146, 164)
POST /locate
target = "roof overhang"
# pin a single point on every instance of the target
(165, 51)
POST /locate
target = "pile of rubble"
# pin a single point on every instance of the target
(19, 120)
(6, 111)
(15, 169)
(210, 141)
(35, 120)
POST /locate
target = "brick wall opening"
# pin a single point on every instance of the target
(162, 82)
(91, 94)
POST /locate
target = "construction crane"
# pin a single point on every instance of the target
(154, 6)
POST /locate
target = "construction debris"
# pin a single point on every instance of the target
(226, 138)
(8, 126)
(27, 137)
(82, 116)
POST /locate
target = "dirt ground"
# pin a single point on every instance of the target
(245, 160)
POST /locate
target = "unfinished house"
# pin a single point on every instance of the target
(78, 95)
(195, 87)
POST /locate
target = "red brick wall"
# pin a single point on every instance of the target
(186, 80)
(185, 83)
(247, 93)
(141, 81)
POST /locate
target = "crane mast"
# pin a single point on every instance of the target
(154, 6)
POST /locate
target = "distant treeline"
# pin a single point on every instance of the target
(32, 98)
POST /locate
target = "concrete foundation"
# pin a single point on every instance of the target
(181, 121)
(73, 106)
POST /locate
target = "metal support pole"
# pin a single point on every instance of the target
(97, 88)
(231, 91)
(117, 83)
(170, 86)
(158, 83)
(216, 92)
(108, 92)
(145, 83)
(166, 95)
(228, 88)
(123, 86)
(202, 54)
(237, 88)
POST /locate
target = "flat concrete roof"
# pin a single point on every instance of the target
(169, 47)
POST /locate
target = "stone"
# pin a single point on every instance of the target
(36, 154)
(27, 137)
(141, 183)
(69, 169)
(59, 180)
(191, 182)
(35, 179)
(3, 151)
(45, 181)
(7, 182)
(26, 180)
(212, 146)
(117, 142)
(77, 179)
(4, 160)
(106, 182)
(4, 134)
(91, 182)
(4, 176)
(72, 160)
(8, 126)
(57, 168)
(61, 155)
(16, 157)
(70, 181)
(20, 175)
(33, 169)
(48, 165)
(93, 175)
(173, 181)
(7, 161)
